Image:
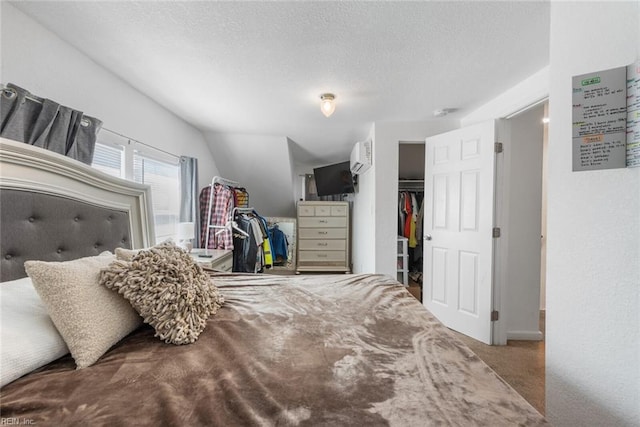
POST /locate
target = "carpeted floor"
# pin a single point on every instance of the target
(519, 363)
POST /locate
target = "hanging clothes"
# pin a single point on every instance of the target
(253, 253)
(408, 212)
(220, 236)
(241, 197)
(280, 245)
(412, 225)
(419, 222)
(245, 248)
(267, 246)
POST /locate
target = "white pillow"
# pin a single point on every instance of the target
(90, 317)
(28, 337)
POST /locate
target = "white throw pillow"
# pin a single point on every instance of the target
(90, 317)
(28, 337)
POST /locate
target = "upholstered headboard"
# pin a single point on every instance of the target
(54, 208)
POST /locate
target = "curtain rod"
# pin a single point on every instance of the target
(34, 98)
(140, 142)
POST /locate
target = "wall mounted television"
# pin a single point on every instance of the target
(334, 179)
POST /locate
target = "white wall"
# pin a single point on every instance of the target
(593, 247)
(260, 163)
(375, 205)
(37, 60)
(522, 287)
(532, 90)
(363, 216)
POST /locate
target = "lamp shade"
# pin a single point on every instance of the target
(186, 231)
(327, 104)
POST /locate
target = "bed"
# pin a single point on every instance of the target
(349, 349)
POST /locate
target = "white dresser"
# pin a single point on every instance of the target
(323, 237)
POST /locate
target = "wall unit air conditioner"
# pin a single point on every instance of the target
(361, 157)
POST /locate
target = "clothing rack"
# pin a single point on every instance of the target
(224, 181)
(242, 210)
(230, 223)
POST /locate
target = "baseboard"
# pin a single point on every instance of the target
(525, 335)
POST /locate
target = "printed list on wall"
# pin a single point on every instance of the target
(633, 115)
(606, 119)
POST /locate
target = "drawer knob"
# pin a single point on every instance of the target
(322, 232)
(323, 221)
(322, 244)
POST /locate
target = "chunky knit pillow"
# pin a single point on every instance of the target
(168, 289)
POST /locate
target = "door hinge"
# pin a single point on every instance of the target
(496, 232)
(495, 315)
(497, 147)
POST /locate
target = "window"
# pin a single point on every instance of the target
(163, 175)
(109, 158)
(122, 157)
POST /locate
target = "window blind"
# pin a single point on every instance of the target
(109, 159)
(164, 179)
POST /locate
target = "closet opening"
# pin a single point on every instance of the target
(411, 158)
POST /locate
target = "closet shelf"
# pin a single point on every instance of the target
(403, 260)
(410, 184)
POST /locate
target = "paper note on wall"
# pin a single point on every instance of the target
(633, 115)
(600, 120)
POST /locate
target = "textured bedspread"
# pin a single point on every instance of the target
(353, 350)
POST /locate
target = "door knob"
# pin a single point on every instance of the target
(427, 237)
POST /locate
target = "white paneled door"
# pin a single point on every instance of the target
(458, 229)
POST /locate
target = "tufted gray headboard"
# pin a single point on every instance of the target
(51, 228)
(53, 208)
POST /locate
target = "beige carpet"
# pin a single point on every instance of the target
(519, 363)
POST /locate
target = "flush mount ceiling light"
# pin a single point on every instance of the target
(443, 112)
(327, 104)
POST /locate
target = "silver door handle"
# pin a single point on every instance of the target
(427, 237)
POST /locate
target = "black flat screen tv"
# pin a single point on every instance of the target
(334, 179)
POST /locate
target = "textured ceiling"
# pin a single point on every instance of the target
(260, 67)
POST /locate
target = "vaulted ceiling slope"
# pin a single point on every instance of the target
(260, 67)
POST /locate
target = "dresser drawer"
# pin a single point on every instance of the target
(323, 245)
(322, 233)
(224, 263)
(306, 211)
(312, 256)
(339, 210)
(323, 210)
(322, 222)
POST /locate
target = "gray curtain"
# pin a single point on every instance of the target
(46, 124)
(189, 211)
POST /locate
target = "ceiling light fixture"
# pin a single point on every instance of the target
(443, 112)
(327, 104)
